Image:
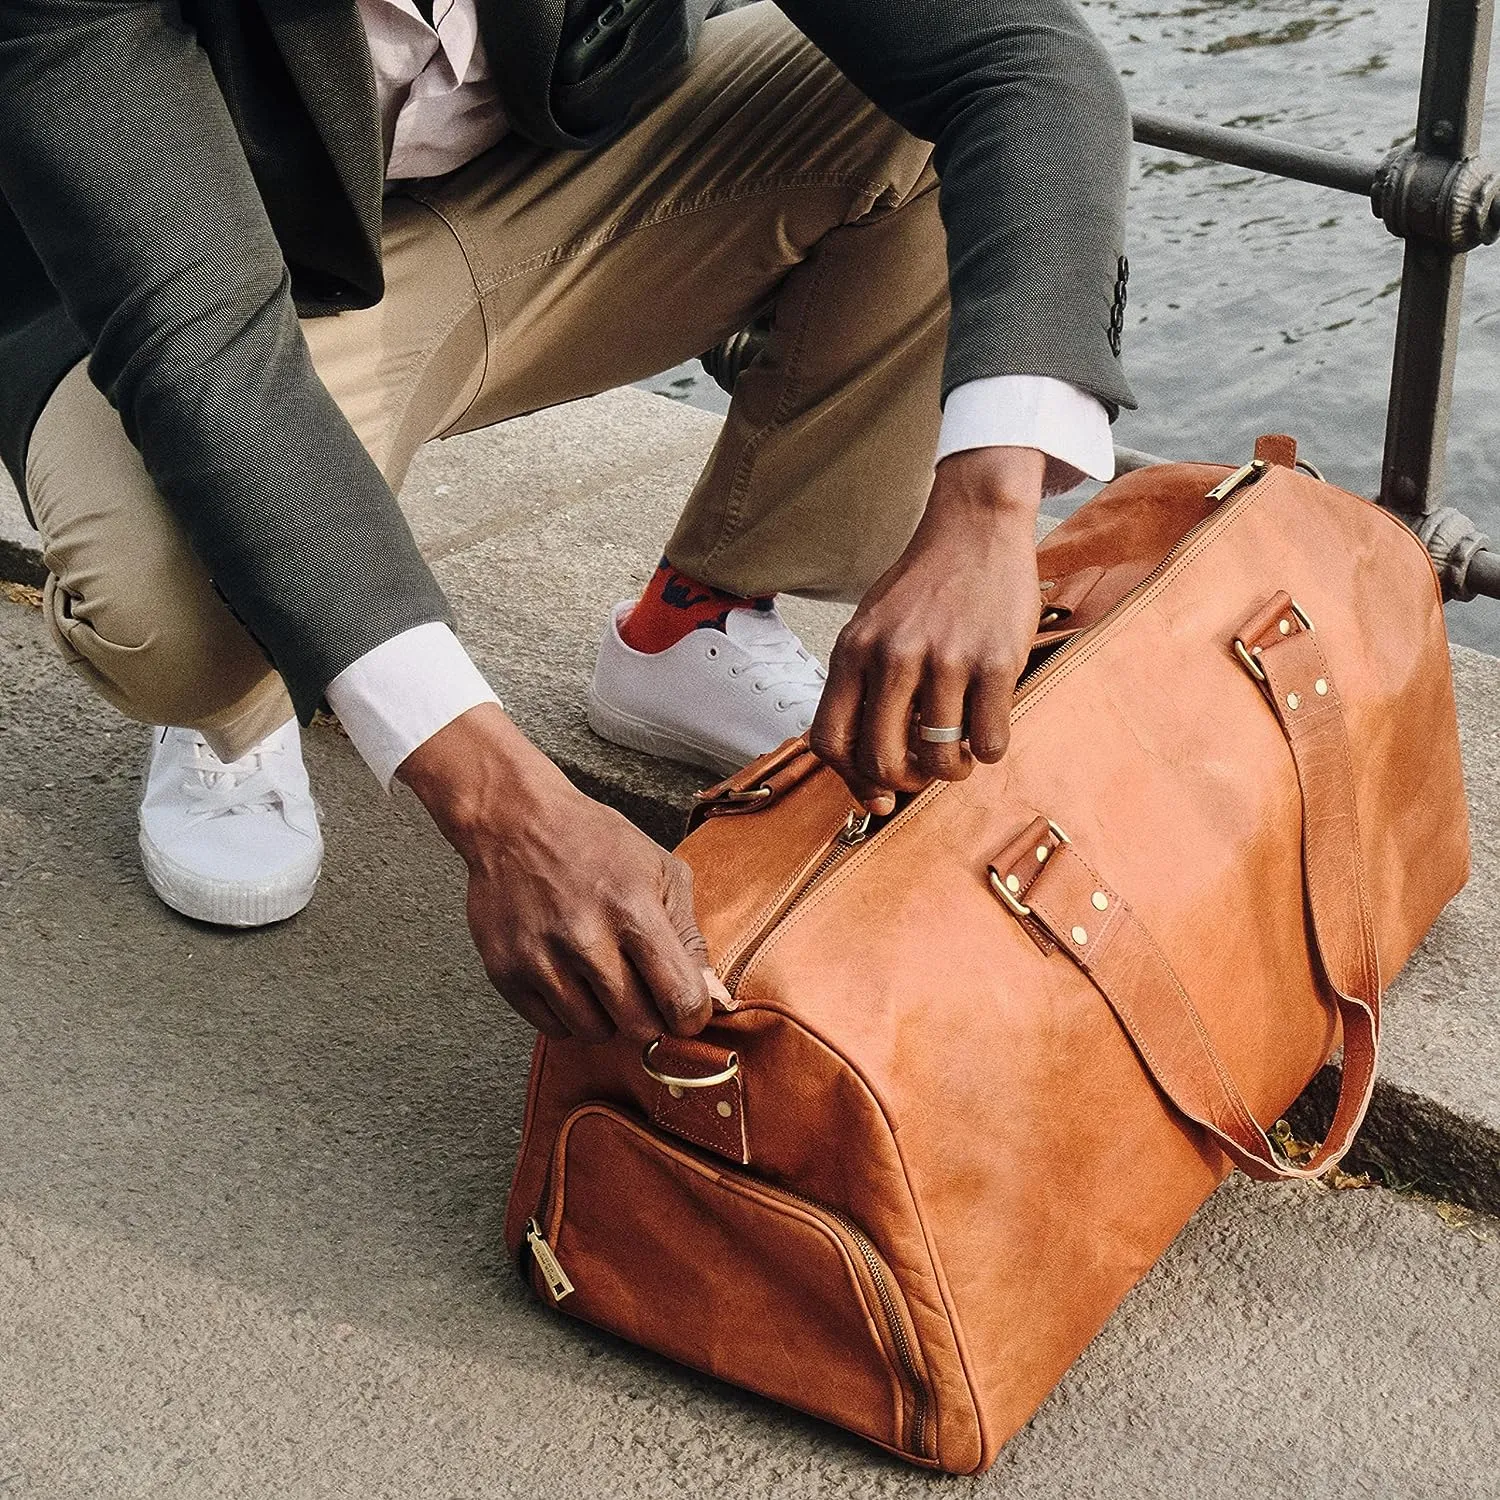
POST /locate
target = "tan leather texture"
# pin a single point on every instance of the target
(994, 1051)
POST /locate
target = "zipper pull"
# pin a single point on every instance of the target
(856, 826)
(546, 1262)
(1245, 474)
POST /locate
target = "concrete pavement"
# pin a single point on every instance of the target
(251, 1184)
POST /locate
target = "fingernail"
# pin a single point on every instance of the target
(716, 987)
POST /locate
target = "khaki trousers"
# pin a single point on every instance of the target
(529, 278)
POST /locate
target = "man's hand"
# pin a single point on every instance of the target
(585, 925)
(942, 636)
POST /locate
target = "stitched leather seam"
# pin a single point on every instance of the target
(940, 1280)
(768, 912)
(708, 1142)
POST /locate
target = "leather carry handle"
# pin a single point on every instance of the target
(1063, 902)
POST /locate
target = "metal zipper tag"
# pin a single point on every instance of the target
(547, 1263)
(1243, 475)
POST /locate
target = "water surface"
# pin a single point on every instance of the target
(1261, 305)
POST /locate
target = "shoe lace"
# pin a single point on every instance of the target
(788, 666)
(220, 788)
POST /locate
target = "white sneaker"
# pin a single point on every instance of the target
(717, 699)
(235, 842)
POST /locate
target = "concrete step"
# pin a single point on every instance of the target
(583, 496)
(251, 1185)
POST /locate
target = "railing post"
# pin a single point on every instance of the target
(1449, 117)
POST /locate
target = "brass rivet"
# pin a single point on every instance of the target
(1013, 884)
(1042, 851)
(725, 1108)
(1101, 901)
(674, 1091)
(1080, 935)
(1293, 701)
(1285, 627)
(1321, 687)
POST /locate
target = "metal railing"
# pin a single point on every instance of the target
(1443, 201)
(1438, 196)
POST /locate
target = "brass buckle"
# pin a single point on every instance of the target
(712, 1081)
(1248, 658)
(1017, 906)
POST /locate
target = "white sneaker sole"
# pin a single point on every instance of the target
(230, 903)
(621, 728)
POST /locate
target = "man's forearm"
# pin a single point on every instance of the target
(1032, 139)
(124, 168)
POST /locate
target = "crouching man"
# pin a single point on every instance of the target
(256, 252)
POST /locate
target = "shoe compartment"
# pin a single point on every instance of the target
(718, 1271)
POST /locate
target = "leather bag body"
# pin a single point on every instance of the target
(984, 1059)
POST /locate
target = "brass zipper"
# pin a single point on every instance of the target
(855, 831)
(906, 1358)
(1208, 527)
(858, 827)
(546, 1262)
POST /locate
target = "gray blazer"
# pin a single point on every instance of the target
(179, 179)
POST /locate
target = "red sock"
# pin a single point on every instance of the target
(673, 605)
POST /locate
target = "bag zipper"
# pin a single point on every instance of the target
(560, 1286)
(858, 828)
(1242, 478)
(904, 1355)
(855, 831)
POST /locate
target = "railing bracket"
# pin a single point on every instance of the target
(1454, 204)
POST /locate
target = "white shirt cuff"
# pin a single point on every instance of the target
(1032, 411)
(399, 695)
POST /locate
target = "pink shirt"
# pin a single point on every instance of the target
(439, 107)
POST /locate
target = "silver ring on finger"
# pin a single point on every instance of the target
(946, 734)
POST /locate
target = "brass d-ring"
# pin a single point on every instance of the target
(713, 1080)
(1249, 657)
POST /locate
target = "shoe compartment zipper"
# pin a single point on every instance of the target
(554, 1206)
(546, 1262)
(916, 1386)
(861, 826)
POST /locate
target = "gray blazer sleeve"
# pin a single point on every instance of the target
(1032, 140)
(122, 165)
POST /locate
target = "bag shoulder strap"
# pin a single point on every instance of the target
(1061, 894)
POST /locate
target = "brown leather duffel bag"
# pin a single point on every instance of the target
(978, 1070)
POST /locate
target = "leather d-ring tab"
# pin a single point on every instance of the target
(1063, 597)
(698, 1094)
(1278, 620)
(1015, 869)
(758, 785)
(1277, 448)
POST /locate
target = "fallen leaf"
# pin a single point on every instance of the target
(1344, 1182)
(1454, 1215)
(1297, 1152)
(21, 593)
